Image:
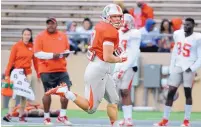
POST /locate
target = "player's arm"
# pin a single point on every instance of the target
(38, 53)
(108, 49)
(197, 63)
(173, 55)
(133, 51)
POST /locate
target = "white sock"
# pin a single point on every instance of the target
(167, 111)
(188, 109)
(127, 110)
(62, 112)
(46, 115)
(70, 95)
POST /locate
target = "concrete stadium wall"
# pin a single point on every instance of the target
(76, 68)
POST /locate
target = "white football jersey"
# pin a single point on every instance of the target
(187, 51)
(130, 43)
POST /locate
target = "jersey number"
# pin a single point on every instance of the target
(183, 49)
(124, 43)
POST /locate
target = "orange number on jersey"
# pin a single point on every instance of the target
(124, 43)
(185, 50)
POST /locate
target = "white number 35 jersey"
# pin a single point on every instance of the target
(187, 51)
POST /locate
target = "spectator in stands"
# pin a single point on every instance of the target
(166, 39)
(21, 57)
(141, 13)
(121, 4)
(176, 23)
(149, 37)
(71, 26)
(50, 47)
(85, 31)
(73, 37)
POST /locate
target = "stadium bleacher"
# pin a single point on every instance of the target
(19, 14)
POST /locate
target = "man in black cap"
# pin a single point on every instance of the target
(49, 48)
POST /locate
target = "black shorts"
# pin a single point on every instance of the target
(52, 80)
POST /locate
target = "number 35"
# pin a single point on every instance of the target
(184, 49)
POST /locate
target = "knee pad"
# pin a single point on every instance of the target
(171, 92)
(125, 92)
(188, 92)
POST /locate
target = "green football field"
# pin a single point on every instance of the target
(137, 115)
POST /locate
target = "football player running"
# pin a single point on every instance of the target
(185, 60)
(98, 79)
(124, 72)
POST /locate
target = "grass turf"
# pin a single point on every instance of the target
(137, 115)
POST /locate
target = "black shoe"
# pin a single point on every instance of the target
(7, 118)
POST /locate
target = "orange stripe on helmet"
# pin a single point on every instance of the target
(118, 8)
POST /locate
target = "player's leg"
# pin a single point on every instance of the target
(45, 78)
(112, 97)
(94, 88)
(92, 98)
(63, 78)
(62, 90)
(93, 81)
(125, 90)
(188, 78)
(174, 81)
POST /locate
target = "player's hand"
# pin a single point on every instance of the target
(188, 70)
(197, 78)
(120, 74)
(56, 55)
